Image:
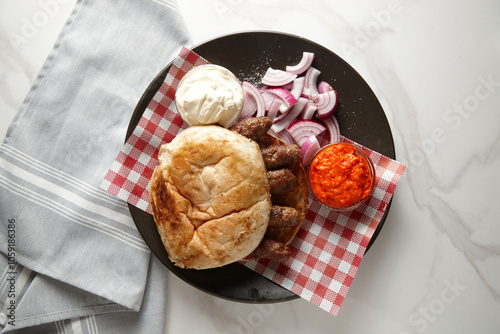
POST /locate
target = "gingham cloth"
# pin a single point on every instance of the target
(328, 248)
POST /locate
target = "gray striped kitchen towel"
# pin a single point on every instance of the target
(71, 258)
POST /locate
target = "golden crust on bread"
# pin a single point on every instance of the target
(210, 197)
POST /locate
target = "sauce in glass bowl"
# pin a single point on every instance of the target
(341, 176)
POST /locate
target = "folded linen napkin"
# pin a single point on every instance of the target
(71, 259)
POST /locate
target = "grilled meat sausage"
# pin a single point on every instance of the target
(284, 216)
(277, 156)
(272, 250)
(281, 181)
(265, 141)
(253, 127)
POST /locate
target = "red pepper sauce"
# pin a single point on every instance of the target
(339, 176)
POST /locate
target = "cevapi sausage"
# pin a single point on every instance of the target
(281, 181)
(272, 250)
(277, 156)
(253, 127)
(265, 141)
(284, 216)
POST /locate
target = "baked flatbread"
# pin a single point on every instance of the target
(210, 197)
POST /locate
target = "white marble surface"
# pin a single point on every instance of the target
(435, 67)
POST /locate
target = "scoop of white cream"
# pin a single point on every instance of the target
(209, 94)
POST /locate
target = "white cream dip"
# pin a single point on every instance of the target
(209, 94)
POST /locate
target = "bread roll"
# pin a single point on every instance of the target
(210, 197)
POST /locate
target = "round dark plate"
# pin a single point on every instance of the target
(248, 55)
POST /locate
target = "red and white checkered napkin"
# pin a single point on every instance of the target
(329, 246)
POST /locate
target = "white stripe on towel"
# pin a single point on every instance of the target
(70, 180)
(66, 194)
(73, 215)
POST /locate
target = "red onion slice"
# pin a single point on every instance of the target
(326, 103)
(332, 125)
(301, 130)
(310, 87)
(309, 110)
(252, 100)
(324, 87)
(285, 108)
(249, 105)
(268, 98)
(298, 87)
(274, 109)
(284, 135)
(288, 86)
(309, 149)
(303, 65)
(282, 93)
(274, 77)
(283, 121)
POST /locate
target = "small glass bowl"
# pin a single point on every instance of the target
(201, 68)
(360, 153)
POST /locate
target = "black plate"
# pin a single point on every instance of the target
(248, 55)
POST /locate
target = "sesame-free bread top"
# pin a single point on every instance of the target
(210, 197)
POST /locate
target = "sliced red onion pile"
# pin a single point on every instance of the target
(300, 107)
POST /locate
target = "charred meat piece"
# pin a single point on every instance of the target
(277, 156)
(265, 141)
(281, 181)
(272, 250)
(284, 216)
(253, 127)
